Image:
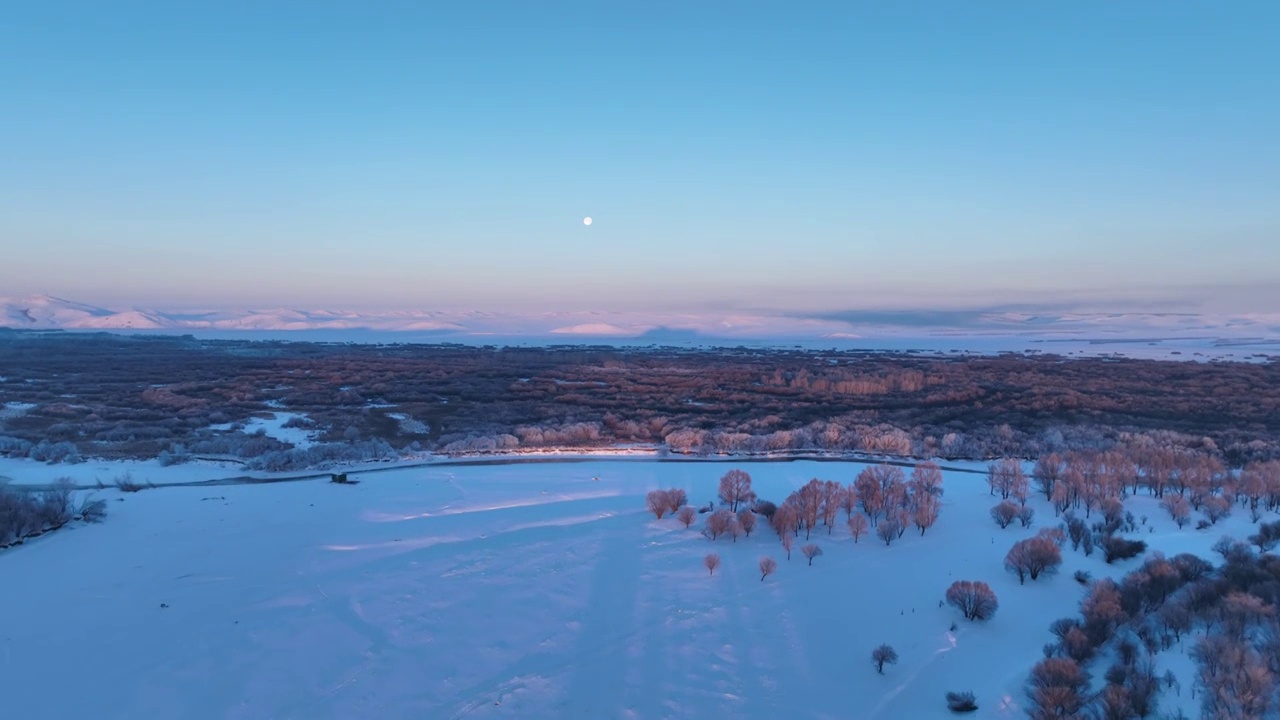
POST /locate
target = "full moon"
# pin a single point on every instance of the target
(586, 220)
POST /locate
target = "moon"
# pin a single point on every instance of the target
(586, 220)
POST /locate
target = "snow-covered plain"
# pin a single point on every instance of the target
(519, 591)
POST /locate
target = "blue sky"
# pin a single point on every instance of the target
(815, 156)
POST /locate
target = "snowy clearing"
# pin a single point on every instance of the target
(523, 591)
(274, 427)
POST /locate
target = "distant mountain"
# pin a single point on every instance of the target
(44, 312)
(1129, 333)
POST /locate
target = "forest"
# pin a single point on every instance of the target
(64, 396)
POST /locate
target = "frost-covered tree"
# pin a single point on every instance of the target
(747, 520)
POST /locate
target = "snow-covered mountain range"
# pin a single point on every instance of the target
(1149, 333)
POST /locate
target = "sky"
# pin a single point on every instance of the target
(824, 157)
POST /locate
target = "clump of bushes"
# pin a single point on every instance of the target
(961, 702)
(25, 514)
(1118, 548)
(126, 483)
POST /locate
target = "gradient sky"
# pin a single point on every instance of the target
(734, 155)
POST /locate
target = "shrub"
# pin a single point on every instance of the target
(1267, 537)
(961, 702)
(1033, 556)
(1058, 688)
(657, 502)
(126, 483)
(1118, 548)
(676, 499)
(1004, 513)
(975, 599)
(92, 510)
(1025, 515)
(686, 515)
(719, 522)
(1082, 577)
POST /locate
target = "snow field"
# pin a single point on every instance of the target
(523, 591)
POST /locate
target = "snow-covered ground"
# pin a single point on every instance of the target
(274, 427)
(519, 591)
(30, 472)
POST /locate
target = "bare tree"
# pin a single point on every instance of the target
(975, 599)
(857, 526)
(883, 655)
(1178, 507)
(1033, 556)
(712, 561)
(734, 528)
(849, 500)
(870, 495)
(1025, 515)
(747, 520)
(809, 503)
(735, 489)
(1046, 473)
(926, 511)
(785, 519)
(1004, 513)
(718, 523)
(686, 515)
(1004, 476)
(676, 499)
(657, 502)
(1058, 688)
(767, 566)
(831, 492)
(888, 529)
(1216, 507)
(811, 551)
(926, 479)
(788, 540)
